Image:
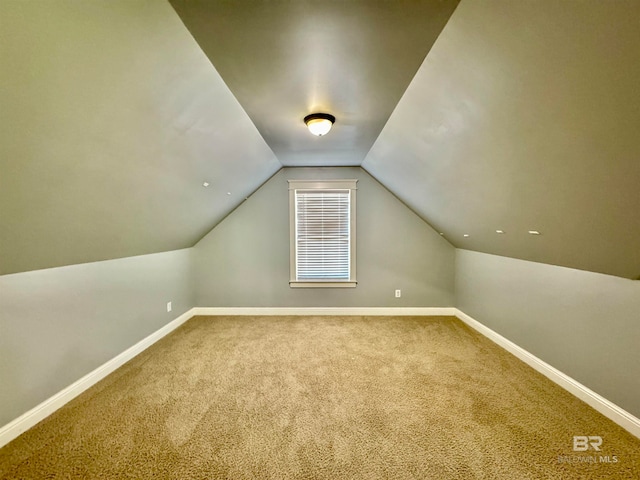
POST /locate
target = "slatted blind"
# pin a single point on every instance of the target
(322, 235)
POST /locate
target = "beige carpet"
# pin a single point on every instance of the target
(322, 398)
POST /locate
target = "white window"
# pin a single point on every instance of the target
(322, 223)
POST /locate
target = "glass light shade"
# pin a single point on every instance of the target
(319, 123)
(319, 126)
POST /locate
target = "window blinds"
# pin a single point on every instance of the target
(322, 235)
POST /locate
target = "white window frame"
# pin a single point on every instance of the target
(349, 185)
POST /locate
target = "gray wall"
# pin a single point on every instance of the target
(112, 118)
(490, 135)
(244, 261)
(57, 325)
(585, 324)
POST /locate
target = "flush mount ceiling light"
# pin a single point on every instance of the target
(319, 123)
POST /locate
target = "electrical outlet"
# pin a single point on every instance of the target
(398, 293)
(168, 306)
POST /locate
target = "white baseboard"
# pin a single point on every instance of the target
(591, 398)
(369, 311)
(40, 412)
(46, 408)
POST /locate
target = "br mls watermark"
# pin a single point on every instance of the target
(583, 443)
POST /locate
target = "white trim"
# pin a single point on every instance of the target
(27, 420)
(396, 311)
(335, 184)
(348, 185)
(46, 408)
(591, 398)
(308, 284)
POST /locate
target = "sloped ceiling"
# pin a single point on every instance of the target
(112, 119)
(522, 116)
(525, 116)
(285, 59)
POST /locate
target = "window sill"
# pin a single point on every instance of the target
(323, 284)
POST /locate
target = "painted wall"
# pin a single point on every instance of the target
(522, 117)
(244, 261)
(585, 324)
(57, 325)
(112, 118)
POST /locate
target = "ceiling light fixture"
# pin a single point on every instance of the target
(319, 123)
(500, 231)
(534, 232)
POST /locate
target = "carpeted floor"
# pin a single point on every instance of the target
(322, 398)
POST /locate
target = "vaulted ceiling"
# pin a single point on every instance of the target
(482, 116)
(286, 59)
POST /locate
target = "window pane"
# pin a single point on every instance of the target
(322, 234)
